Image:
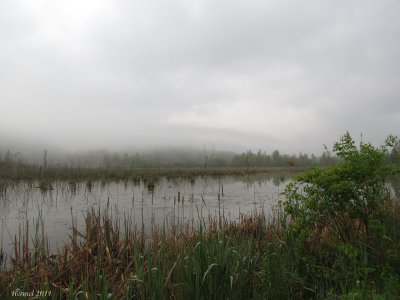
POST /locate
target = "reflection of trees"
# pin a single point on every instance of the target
(276, 178)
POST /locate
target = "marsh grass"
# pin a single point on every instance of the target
(77, 174)
(253, 257)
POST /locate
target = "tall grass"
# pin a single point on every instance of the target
(253, 257)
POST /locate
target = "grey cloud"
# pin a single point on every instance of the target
(280, 74)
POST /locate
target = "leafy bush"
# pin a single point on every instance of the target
(346, 198)
(343, 221)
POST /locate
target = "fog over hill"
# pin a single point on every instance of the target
(235, 75)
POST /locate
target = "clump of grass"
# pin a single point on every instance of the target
(45, 185)
(252, 257)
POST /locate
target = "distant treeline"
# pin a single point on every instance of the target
(276, 159)
(176, 158)
(171, 158)
(217, 159)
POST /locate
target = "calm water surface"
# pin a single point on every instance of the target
(168, 200)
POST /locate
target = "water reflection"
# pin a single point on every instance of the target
(151, 202)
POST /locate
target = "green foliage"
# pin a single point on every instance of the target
(215, 269)
(342, 216)
(343, 196)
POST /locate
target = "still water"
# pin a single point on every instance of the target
(164, 201)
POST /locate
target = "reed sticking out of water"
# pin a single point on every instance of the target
(249, 258)
(129, 263)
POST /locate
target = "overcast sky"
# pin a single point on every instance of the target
(234, 75)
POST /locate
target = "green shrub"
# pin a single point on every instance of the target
(342, 218)
(346, 198)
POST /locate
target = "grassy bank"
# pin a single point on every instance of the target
(254, 257)
(50, 173)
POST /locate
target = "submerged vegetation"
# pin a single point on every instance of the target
(336, 235)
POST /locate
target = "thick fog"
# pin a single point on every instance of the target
(234, 75)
